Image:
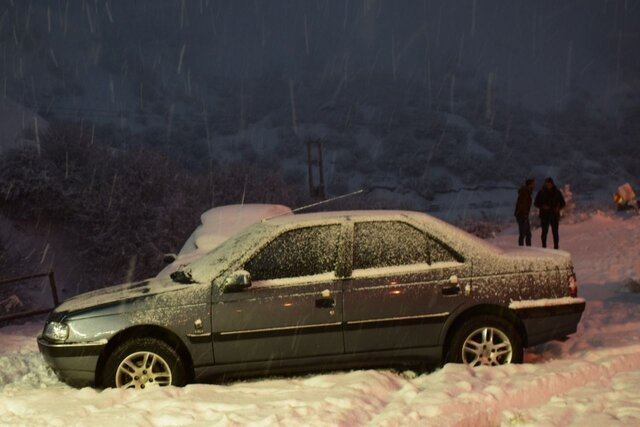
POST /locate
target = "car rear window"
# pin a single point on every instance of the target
(394, 243)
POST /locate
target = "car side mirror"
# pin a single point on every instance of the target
(169, 258)
(237, 281)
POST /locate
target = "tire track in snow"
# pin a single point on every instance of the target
(478, 397)
(607, 402)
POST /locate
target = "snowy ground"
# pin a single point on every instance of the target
(593, 379)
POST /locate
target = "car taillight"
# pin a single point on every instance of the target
(573, 286)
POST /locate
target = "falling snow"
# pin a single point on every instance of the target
(122, 122)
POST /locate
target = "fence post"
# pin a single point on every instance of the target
(54, 289)
(315, 163)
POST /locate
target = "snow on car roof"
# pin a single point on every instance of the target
(446, 232)
(334, 215)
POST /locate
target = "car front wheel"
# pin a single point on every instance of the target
(142, 363)
(486, 341)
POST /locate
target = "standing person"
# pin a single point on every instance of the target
(550, 202)
(523, 207)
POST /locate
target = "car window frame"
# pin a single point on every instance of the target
(459, 258)
(299, 280)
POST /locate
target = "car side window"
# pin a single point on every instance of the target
(295, 253)
(388, 243)
(440, 253)
(393, 243)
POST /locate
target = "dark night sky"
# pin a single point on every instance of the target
(536, 53)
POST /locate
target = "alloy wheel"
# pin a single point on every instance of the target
(487, 346)
(143, 369)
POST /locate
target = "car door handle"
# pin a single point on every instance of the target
(325, 302)
(451, 290)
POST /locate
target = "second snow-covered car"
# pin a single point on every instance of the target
(216, 226)
(319, 291)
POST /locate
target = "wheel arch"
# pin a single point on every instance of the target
(479, 310)
(146, 331)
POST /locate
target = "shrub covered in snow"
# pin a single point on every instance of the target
(125, 208)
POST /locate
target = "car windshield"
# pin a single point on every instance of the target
(210, 266)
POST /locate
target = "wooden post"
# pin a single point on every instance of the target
(315, 190)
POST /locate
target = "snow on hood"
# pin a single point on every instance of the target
(117, 294)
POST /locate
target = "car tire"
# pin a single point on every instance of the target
(486, 341)
(142, 363)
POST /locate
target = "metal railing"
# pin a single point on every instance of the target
(54, 295)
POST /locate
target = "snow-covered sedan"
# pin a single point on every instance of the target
(319, 291)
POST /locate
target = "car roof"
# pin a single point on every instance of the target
(332, 216)
(445, 231)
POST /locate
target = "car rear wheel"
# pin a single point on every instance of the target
(142, 363)
(486, 341)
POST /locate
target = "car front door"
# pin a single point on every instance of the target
(294, 305)
(403, 286)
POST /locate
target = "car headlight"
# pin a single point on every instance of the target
(56, 331)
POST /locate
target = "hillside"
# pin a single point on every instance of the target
(422, 101)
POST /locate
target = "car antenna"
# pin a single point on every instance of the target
(322, 202)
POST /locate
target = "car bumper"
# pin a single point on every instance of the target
(74, 364)
(551, 322)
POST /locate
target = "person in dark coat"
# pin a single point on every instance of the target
(523, 207)
(550, 202)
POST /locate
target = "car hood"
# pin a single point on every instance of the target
(117, 295)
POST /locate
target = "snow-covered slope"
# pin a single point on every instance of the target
(593, 379)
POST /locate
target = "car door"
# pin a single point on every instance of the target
(403, 286)
(294, 305)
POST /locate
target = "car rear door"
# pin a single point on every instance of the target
(294, 306)
(403, 286)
